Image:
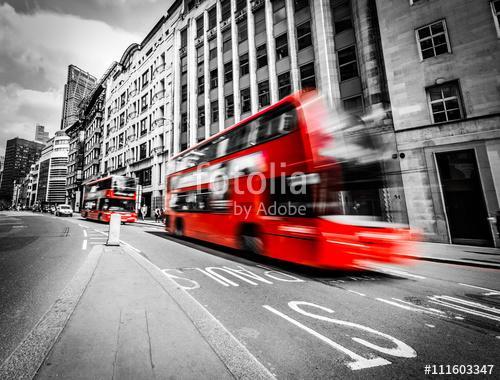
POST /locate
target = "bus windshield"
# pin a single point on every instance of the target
(110, 204)
(124, 183)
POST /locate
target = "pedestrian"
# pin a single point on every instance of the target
(157, 214)
(162, 213)
(144, 211)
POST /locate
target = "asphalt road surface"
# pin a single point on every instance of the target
(385, 321)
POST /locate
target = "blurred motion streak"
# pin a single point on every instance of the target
(291, 182)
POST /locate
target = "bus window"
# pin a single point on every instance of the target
(238, 139)
(278, 123)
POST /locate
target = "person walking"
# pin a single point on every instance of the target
(144, 211)
(157, 214)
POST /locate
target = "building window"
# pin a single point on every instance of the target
(284, 85)
(226, 41)
(212, 18)
(495, 8)
(184, 92)
(213, 53)
(225, 9)
(279, 11)
(145, 79)
(282, 46)
(307, 77)
(199, 26)
(244, 68)
(260, 21)
(342, 19)
(228, 72)
(263, 89)
(229, 102)
(240, 5)
(143, 151)
(246, 100)
(201, 85)
(213, 79)
(184, 64)
(214, 111)
(184, 122)
(242, 31)
(354, 104)
(184, 38)
(445, 102)
(261, 56)
(200, 55)
(301, 4)
(201, 116)
(348, 65)
(144, 102)
(144, 128)
(304, 38)
(433, 40)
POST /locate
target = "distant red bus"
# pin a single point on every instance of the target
(290, 183)
(110, 195)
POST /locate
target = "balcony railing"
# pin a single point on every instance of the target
(240, 15)
(256, 4)
(159, 69)
(159, 95)
(212, 33)
(224, 25)
(198, 42)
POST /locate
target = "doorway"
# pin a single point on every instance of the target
(463, 198)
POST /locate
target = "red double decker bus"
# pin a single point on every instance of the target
(289, 182)
(110, 195)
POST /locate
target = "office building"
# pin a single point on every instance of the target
(442, 60)
(20, 154)
(78, 85)
(40, 134)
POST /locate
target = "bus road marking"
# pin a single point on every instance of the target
(231, 277)
(401, 349)
(85, 233)
(84, 245)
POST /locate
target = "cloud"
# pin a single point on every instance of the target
(36, 51)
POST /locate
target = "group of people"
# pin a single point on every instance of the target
(159, 213)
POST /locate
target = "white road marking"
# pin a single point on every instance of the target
(81, 225)
(491, 291)
(84, 245)
(408, 306)
(359, 361)
(96, 238)
(130, 246)
(429, 325)
(400, 273)
(451, 302)
(358, 293)
(85, 233)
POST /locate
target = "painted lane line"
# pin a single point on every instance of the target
(491, 291)
(468, 303)
(429, 325)
(85, 233)
(403, 273)
(237, 358)
(358, 293)
(96, 238)
(464, 309)
(359, 363)
(419, 306)
(130, 246)
(84, 245)
(421, 309)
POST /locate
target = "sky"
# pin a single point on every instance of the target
(40, 38)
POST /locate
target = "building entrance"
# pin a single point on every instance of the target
(463, 198)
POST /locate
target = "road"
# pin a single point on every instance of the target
(385, 321)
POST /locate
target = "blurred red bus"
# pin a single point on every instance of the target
(289, 183)
(110, 195)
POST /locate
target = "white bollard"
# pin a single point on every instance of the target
(114, 229)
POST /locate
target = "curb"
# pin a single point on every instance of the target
(26, 359)
(456, 262)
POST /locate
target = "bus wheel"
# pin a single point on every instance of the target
(179, 227)
(251, 241)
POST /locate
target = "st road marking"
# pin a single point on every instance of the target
(221, 276)
(359, 362)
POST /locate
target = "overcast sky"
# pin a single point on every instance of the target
(40, 38)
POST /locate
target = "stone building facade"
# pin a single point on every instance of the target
(442, 59)
(137, 115)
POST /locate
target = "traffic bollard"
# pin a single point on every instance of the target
(114, 230)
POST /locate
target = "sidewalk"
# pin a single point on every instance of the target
(150, 222)
(126, 326)
(459, 254)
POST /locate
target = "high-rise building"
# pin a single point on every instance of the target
(137, 116)
(78, 85)
(20, 154)
(51, 185)
(40, 134)
(442, 60)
